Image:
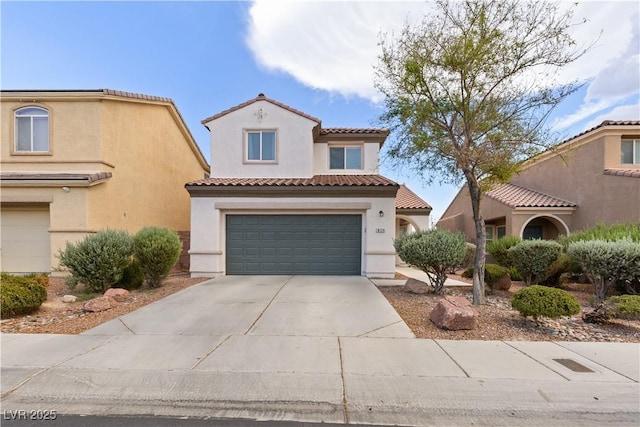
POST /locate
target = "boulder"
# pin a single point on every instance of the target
(453, 313)
(69, 298)
(99, 304)
(415, 286)
(502, 284)
(117, 294)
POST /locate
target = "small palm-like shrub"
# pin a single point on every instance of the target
(532, 259)
(98, 260)
(625, 306)
(20, 295)
(539, 300)
(433, 251)
(499, 249)
(158, 250)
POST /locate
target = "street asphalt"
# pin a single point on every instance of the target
(309, 349)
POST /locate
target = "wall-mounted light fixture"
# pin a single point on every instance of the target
(381, 214)
(66, 189)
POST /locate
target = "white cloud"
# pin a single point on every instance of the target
(333, 46)
(622, 112)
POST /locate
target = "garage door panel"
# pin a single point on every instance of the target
(25, 242)
(294, 244)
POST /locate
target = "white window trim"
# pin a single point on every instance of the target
(635, 151)
(45, 113)
(344, 147)
(246, 147)
(493, 232)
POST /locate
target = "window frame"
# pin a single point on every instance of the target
(504, 232)
(46, 113)
(635, 150)
(344, 147)
(246, 158)
(488, 227)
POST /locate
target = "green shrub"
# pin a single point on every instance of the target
(494, 273)
(20, 295)
(557, 271)
(625, 306)
(532, 259)
(539, 300)
(514, 275)
(607, 262)
(158, 250)
(433, 251)
(98, 260)
(468, 272)
(607, 233)
(499, 249)
(132, 277)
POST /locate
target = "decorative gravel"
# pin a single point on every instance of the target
(57, 317)
(497, 320)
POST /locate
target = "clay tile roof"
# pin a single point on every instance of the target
(407, 199)
(315, 181)
(87, 177)
(633, 173)
(520, 197)
(603, 124)
(260, 97)
(353, 131)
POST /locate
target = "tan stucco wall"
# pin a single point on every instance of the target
(74, 137)
(600, 197)
(144, 144)
(152, 161)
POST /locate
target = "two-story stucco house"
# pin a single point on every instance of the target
(287, 196)
(591, 178)
(78, 161)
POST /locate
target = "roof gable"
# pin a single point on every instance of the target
(260, 97)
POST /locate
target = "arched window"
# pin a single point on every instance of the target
(32, 130)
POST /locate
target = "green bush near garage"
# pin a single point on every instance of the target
(157, 249)
(98, 261)
(625, 306)
(20, 295)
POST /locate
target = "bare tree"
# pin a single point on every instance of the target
(468, 90)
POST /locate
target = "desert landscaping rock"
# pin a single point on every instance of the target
(415, 286)
(502, 284)
(117, 294)
(69, 298)
(453, 313)
(99, 304)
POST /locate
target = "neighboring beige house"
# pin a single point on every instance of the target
(78, 161)
(591, 178)
(287, 196)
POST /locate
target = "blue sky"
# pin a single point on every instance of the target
(317, 57)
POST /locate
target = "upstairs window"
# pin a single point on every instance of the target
(261, 146)
(630, 152)
(345, 157)
(32, 130)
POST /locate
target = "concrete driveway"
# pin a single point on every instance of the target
(319, 306)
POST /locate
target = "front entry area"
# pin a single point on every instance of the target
(294, 244)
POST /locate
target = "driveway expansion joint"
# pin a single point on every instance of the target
(344, 392)
(268, 305)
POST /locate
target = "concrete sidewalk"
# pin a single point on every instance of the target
(415, 274)
(400, 381)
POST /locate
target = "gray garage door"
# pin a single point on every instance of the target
(294, 244)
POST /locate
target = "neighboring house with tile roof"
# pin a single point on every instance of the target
(286, 196)
(591, 178)
(78, 161)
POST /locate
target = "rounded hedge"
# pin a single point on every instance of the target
(539, 300)
(625, 306)
(158, 249)
(20, 295)
(132, 277)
